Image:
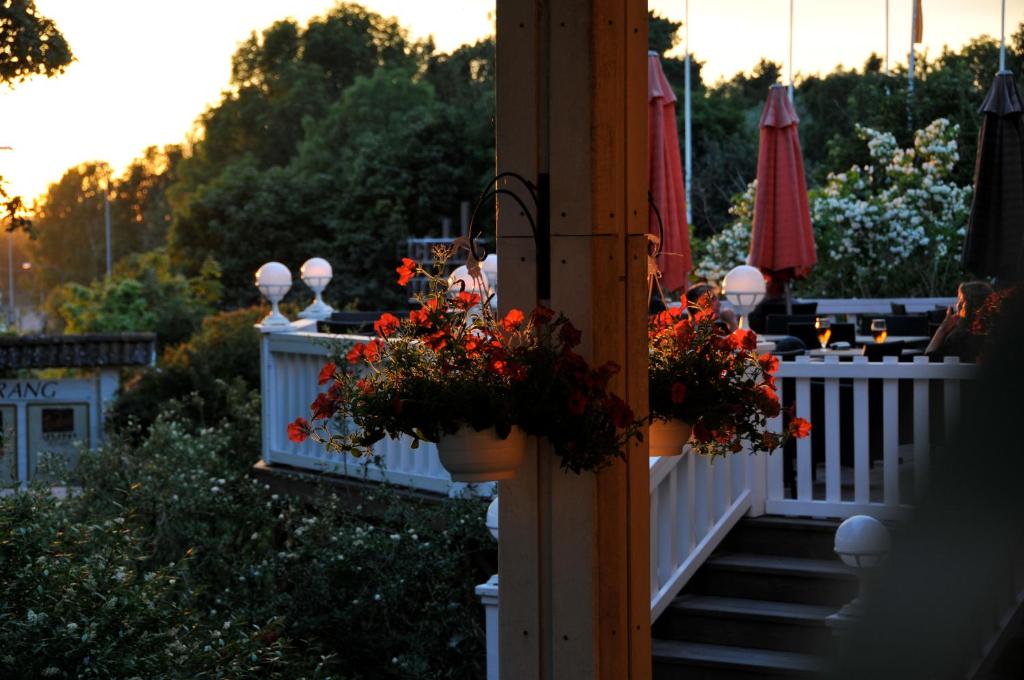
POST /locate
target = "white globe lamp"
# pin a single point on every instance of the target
(274, 280)
(744, 288)
(862, 542)
(492, 518)
(316, 273)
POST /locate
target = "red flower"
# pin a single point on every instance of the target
(512, 320)
(355, 354)
(436, 340)
(406, 271)
(324, 406)
(542, 315)
(701, 432)
(799, 428)
(769, 363)
(364, 385)
(768, 401)
(678, 393)
(371, 350)
(466, 300)
(327, 373)
(569, 335)
(420, 317)
(577, 403)
(621, 413)
(741, 338)
(386, 324)
(299, 431)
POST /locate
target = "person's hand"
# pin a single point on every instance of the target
(947, 323)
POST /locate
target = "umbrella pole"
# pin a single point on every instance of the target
(1002, 39)
(789, 298)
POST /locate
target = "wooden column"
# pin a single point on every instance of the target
(574, 552)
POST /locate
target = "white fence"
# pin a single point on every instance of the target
(875, 428)
(290, 366)
(695, 501)
(866, 465)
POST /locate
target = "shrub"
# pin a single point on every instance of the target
(204, 374)
(175, 562)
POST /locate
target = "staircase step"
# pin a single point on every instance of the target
(761, 624)
(699, 661)
(786, 536)
(776, 578)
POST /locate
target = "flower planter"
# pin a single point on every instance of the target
(668, 437)
(472, 456)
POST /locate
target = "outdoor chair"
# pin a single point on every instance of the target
(778, 324)
(898, 308)
(759, 316)
(886, 349)
(898, 324)
(808, 334)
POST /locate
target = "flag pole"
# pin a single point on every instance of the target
(1002, 39)
(687, 130)
(886, 37)
(790, 50)
(910, 70)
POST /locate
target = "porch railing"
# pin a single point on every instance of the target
(875, 428)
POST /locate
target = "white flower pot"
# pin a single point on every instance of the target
(472, 456)
(668, 437)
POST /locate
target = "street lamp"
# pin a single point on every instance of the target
(316, 273)
(274, 281)
(744, 287)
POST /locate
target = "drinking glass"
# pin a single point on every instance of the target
(878, 330)
(824, 329)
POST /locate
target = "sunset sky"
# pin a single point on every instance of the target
(146, 69)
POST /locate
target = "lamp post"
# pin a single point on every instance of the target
(744, 288)
(274, 280)
(316, 273)
(862, 542)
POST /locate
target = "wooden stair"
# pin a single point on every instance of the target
(757, 607)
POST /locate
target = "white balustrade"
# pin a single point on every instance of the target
(885, 491)
(291, 364)
(695, 501)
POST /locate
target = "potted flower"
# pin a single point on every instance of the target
(455, 374)
(710, 387)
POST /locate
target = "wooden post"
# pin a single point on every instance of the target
(574, 553)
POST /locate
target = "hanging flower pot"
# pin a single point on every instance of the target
(667, 437)
(471, 456)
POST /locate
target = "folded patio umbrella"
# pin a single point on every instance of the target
(781, 241)
(666, 178)
(995, 230)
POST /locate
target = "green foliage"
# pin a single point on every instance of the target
(30, 44)
(207, 375)
(662, 33)
(174, 562)
(371, 139)
(143, 294)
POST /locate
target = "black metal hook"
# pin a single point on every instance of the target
(539, 225)
(657, 214)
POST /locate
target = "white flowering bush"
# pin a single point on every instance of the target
(894, 227)
(175, 562)
(729, 247)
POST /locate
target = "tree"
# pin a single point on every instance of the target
(30, 44)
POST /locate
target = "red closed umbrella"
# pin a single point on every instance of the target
(781, 241)
(666, 178)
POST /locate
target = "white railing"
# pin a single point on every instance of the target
(290, 365)
(695, 501)
(928, 415)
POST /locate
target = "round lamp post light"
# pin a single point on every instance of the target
(862, 542)
(316, 273)
(274, 281)
(744, 288)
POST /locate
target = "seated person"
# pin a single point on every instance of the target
(954, 338)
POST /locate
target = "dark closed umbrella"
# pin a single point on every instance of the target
(995, 231)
